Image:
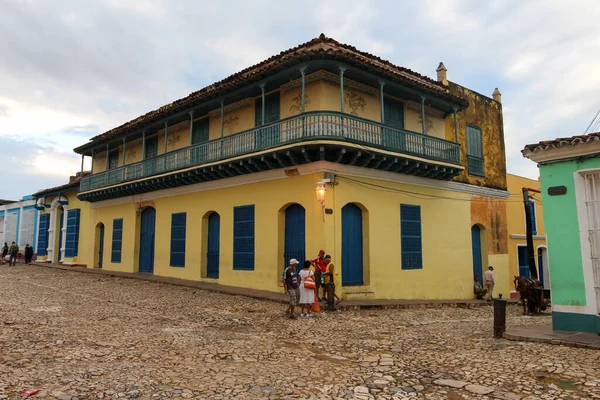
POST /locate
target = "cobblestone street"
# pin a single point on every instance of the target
(73, 335)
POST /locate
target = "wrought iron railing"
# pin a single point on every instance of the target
(307, 126)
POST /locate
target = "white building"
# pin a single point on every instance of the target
(18, 223)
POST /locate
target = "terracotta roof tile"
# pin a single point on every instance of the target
(73, 182)
(318, 46)
(560, 142)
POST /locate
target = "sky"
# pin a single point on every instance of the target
(73, 69)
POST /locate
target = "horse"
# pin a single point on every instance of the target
(529, 290)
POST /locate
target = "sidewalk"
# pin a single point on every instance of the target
(278, 297)
(545, 334)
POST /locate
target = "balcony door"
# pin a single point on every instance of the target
(150, 165)
(392, 137)
(269, 135)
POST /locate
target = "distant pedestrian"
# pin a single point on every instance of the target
(4, 251)
(488, 281)
(290, 284)
(14, 252)
(320, 269)
(28, 254)
(307, 293)
(330, 276)
(478, 289)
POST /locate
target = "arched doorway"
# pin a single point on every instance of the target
(213, 245)
(477, 254)
(147, 240)
(352, 245)
(295, 234)
(99, 246)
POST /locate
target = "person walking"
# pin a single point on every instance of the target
(488, 281)
(320, 269)
(4, 251)
(290, 284)
(307, 290)
(28, 254)
(14, 252)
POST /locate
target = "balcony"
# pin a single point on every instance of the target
(423, 155)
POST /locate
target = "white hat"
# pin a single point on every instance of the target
(294, 261)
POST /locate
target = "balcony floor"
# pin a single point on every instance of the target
(282, 158)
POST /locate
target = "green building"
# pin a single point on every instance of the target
(570, 181)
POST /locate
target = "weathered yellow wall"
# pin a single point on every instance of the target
(234, 121)
(515, 213)
(291, 101)
(486, 114)
(434, 125)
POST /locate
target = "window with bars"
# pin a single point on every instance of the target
(475, 164)
(410, 236)
(243, 238)
(178, 225)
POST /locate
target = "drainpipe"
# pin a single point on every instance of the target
(82, 157)
(92, 164)
(381, 84)
(166, 134)
(423, 115)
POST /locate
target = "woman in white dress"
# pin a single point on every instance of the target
(307, 296)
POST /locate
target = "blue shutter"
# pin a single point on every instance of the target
(117, 240)
(178, 223)
(200, 131)
(43, 235)
(113, 159)
(243, 238)
(475, 151)
(410, 233)
(533, 217)
(523, 259)
(72, 243)
(393, 112)
(151, 147)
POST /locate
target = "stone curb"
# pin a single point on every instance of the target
(559, 342)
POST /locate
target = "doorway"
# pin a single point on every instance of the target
(352, 245)
(213, 245)
(147, 240)
(476, 250)
(99, 245)
(295, 234)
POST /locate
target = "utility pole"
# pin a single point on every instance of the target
(529, 231)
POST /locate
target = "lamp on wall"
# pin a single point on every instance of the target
(321, 192)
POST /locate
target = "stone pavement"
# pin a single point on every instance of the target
(281, 297)
(545, 334)
(90, 336)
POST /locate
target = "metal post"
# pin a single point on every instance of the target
(222, 116)
(106, 157)
(423, 115)
(262, 97)
(303, 72)
(124, 150)
(499, 316)
(342, 69)
(82, 157)
(381, 84)
(166, 135)
(330, 293)
(191, 128)
(143, 145)
(455, 126)
(91, 168)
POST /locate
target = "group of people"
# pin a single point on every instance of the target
(488, 285)
(302, 286)
(11, 253)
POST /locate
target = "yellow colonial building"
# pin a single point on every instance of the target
(61, 216)
(401, 178)
(517, 241)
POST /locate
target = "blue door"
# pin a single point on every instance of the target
(476, 247)
(60, 235)
(101, 246)
(295, 234)
(214, 241)
(352, 245)
(147, 240)
(523, 261)
(541, 266)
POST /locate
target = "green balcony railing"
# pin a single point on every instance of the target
(307, 126)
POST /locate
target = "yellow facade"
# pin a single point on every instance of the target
(515, 214)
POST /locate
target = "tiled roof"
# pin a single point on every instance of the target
(320, 46)
(560, 142)
(73, 182)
